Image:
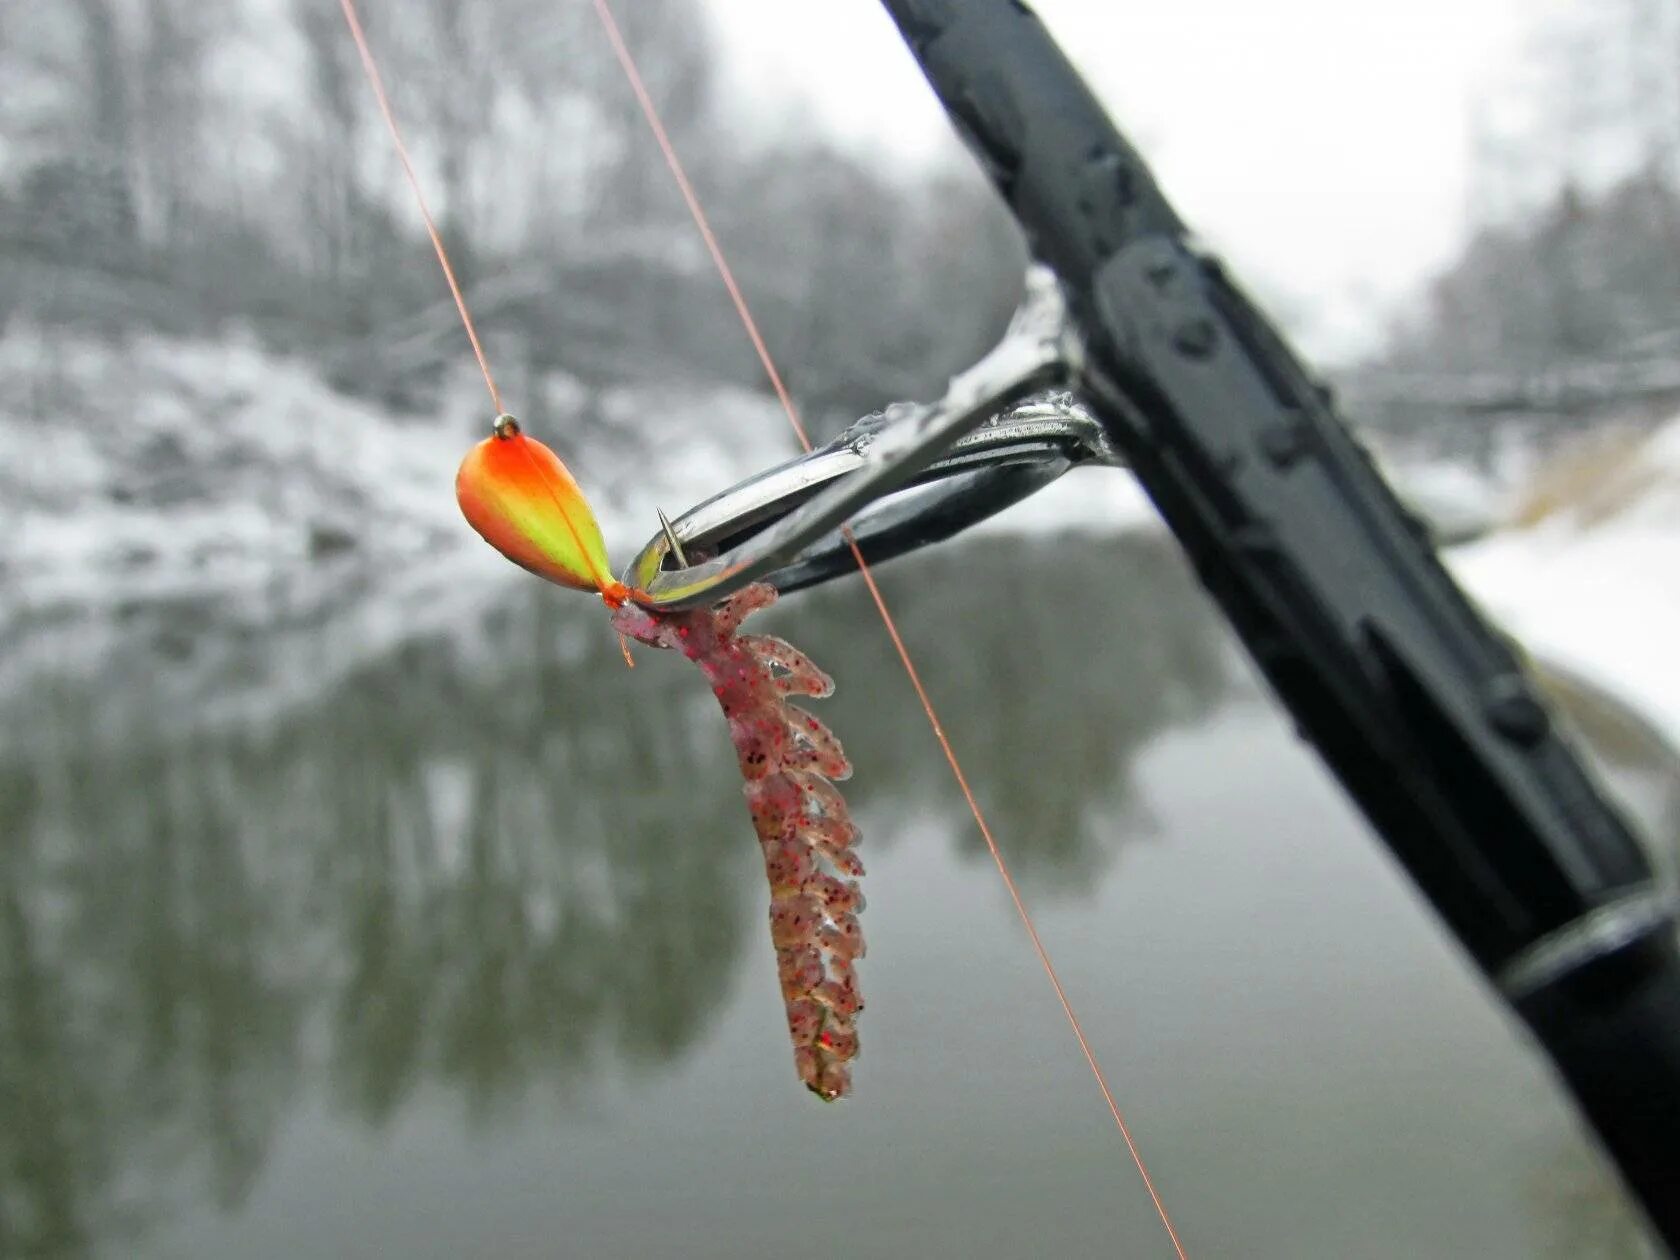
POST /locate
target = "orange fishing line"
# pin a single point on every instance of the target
(663, 139)
(650, 111)
(356, 32)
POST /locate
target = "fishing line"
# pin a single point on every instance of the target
(625, 59)
(378, 83)
(604, 582)
(616, 38)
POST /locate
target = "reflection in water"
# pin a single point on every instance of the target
(1083, 650)
(486, 857)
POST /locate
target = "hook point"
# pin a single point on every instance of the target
(671, 538)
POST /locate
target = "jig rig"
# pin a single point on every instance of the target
(521, 498)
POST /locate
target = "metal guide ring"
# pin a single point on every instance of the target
(1000, 432)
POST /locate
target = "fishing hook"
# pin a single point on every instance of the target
(905, 477)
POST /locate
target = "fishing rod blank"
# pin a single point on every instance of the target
(1420, 708)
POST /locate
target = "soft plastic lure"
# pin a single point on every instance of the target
(522, 499)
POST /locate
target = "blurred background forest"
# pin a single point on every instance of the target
(158, 173)
(221, 177)
(151, 180)
(214, 284)
(1561, 310)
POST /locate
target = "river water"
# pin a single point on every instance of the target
(411, 923)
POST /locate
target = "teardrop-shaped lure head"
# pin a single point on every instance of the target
(524, 502)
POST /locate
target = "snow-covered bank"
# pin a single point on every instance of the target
(151, 464)
(1604, 603)
(1456, 501)
(154, 466)
(148, 466)
(1597, 589)
(1592, 590)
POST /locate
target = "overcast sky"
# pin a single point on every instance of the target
(1324, 144)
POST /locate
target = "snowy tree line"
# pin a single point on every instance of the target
(169, 164)
(1565, 303)
(185, 166)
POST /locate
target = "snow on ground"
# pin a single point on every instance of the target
(1593, 593)
(1599, 593)
(157, 463)
(153, 466)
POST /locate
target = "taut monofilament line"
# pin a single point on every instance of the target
(651, 112)
(812, 923)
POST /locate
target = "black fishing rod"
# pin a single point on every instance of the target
(1420, 708)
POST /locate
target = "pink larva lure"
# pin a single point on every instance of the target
(790, 761)
(519, 496)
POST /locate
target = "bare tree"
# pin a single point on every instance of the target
(331, 122)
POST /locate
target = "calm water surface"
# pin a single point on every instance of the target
(410, 923)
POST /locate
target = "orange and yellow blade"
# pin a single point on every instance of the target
(524, 502)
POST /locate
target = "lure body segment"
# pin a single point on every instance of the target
(788, 760)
